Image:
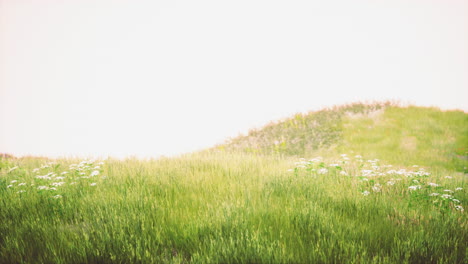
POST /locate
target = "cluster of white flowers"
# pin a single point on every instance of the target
(46, 178)
(322, 171)
(317, 165)
(373, 176)
(446, 196)
(391, 182)
(408, 173)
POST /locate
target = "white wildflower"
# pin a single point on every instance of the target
(317, 159)
(42, 187)
(93, 184)
(459, 208)
(344, 173)
(434, 194)
(367, 173)
(9, 186)
(36, 170)
(365, 193)
(421, 173)
(414, 187)
(448, 177)
(322, 171)
(455, 200)
(58, 196)
(391, 182)
(52, 188)
(21, 191)
(449, 191)
(58, 183)
(446, 196)
(21, 184)
(59, 178)
(44, 177)
(433, 184)
(13, 181)
(458, 189)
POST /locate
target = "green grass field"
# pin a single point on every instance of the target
(389, 187)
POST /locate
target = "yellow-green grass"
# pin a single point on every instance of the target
(400, 135)
(230, 208)
(412, 135)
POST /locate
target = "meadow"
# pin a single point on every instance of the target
(353, 184)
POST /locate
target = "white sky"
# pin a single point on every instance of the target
(149, 78)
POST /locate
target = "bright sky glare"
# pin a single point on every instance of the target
(150, 78)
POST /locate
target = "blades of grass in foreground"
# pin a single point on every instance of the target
(237, 208)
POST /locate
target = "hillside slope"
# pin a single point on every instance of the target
(401, 135)
(269, 206)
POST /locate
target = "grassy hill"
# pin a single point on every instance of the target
(254, 200)
(402, 135)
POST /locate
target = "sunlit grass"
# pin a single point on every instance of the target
(400, 135)
(261, 198)
(413, 135)
(230, 208)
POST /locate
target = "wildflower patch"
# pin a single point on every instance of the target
(417, 185)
